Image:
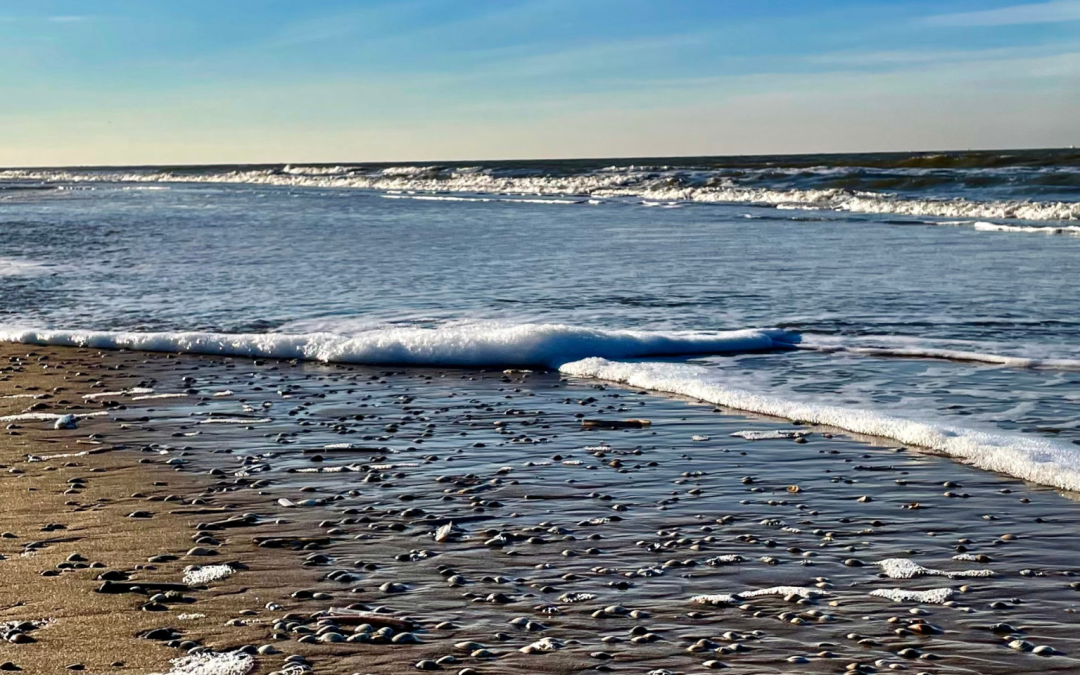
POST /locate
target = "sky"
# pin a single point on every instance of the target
(129, 82)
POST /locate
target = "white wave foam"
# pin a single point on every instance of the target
(1073, 230)
(934, 596)
(1030, 458)
(316, 170)
(20, 267)
(638, 183)
(469, 345)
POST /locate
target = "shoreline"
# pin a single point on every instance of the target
(612, 357)
(543, 512)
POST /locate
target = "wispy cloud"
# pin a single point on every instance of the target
(1014, 15)
(70, 18)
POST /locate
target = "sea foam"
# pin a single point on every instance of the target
(1028, 457)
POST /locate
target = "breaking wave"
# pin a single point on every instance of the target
(459, 345)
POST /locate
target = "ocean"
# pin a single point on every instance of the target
(930, 300)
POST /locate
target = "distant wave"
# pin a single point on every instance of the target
(1027, 457)
(648, 184)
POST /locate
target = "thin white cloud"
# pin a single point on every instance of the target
(1014, 15)
(68, 18)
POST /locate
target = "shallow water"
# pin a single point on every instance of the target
(601, 246)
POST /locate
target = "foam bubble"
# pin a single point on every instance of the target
(213, 663)
(204, 575)
(1030, 458)
(934, 596)
(902, 568)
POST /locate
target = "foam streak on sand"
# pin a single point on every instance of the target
(724, 599)
(224, 663)
(1030, 458)
(47, 417)
(935, 596)
(204, 575)
(460, 345)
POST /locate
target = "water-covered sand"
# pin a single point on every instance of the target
(495, 523)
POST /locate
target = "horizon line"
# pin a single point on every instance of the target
(541, 159)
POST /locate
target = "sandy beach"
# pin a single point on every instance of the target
(540, 337)
(343, 519)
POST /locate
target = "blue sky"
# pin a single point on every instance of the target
(195, 81)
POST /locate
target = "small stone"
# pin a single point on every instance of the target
(200, 551)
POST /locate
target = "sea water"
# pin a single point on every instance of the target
(930, 299)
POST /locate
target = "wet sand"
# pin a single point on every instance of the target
(477, 507)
